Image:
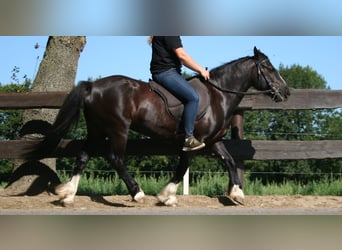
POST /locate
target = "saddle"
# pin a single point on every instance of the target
(174, 106)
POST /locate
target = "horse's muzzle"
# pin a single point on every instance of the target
(280, 95)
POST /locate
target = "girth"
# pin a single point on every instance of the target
(174, 106)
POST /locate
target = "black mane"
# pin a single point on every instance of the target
(218, 71)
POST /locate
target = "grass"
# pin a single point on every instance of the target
(211, 184)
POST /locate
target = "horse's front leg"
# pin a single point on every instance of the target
(167, 195)
(67, 191)
(235, 192)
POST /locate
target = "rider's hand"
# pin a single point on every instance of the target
(205, 74)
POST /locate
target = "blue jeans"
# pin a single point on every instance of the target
(175, 83)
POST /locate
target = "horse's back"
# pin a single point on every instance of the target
(116, 86)
(115, 93)
(116, 81)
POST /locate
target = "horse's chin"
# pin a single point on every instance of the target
(279, 97)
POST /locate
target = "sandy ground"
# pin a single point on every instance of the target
(187, 204)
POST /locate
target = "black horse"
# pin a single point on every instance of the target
(114, 105)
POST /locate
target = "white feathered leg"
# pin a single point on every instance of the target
(168, 194)
(67, 191)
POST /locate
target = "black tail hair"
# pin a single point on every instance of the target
(67, 116)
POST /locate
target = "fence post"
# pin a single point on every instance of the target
(237, 133)
(186, 182)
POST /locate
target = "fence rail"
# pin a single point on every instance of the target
(299, 99)
(240, 149)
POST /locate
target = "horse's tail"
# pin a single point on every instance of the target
(67, 116)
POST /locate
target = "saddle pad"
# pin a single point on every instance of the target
(174, 106)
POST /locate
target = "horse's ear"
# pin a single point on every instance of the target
(256, 52)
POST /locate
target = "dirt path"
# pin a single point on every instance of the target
(48, 204)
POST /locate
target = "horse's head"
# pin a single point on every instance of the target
(268, 78)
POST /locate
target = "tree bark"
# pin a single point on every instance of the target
(57, 72)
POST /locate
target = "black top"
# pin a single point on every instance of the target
(163, 56)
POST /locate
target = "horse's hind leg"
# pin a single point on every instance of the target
(167, 195)
(67, 191)
(132, 186)
(116, 159)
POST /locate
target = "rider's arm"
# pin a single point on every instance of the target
(186, 59)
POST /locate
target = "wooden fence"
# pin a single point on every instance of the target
(300, 99)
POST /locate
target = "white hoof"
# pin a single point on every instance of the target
(139, 197)
(64, 190)
(236, 195)
(167, 195)
(171, 201)
(67, 191)
(67, 201)
(66, 195)
(162, 198)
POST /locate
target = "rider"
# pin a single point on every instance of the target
(168, 55)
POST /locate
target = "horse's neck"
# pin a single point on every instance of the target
(239, 78)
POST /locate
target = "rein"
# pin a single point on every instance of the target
(215, 85)
(259, 92)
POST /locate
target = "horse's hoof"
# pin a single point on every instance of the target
(66, 203)
(171, 201)
(162, 198)
(236, 195)
(63, 190)
(139, 201)
(237, 200)
(139, 197)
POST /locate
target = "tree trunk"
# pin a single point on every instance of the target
(56, 72)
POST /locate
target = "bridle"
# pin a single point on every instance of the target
(272, 89)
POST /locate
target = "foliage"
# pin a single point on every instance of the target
(10, 120)
(294, 125)
(10, 124)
